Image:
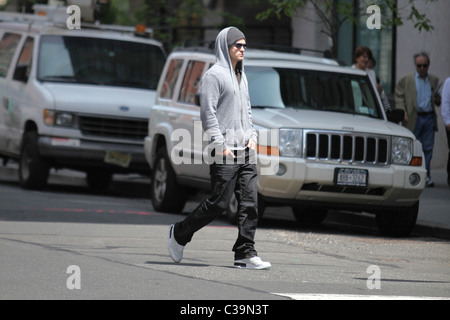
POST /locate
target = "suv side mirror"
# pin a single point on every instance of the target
(396, 115)
(197, 99)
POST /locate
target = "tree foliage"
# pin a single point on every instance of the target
(333, 14)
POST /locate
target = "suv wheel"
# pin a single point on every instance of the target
(393, 223)
(309, 216)
(33, 168)
(166, 194)
(233, 208)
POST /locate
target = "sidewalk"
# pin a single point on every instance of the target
(434, 212)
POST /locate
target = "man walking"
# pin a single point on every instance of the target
(415, 94)
(226, 117)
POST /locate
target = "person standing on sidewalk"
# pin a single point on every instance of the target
(446, 117)
(415, 94)
(226, 117)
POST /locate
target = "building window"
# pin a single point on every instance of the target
(381, 43)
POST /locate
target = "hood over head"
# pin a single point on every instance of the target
(224, 40)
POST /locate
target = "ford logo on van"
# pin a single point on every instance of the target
(124, 108)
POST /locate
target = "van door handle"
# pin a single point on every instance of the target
(5, 103)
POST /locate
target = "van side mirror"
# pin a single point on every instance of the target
(21, 73)
(396, 115)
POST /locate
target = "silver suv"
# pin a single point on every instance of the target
(325, 141)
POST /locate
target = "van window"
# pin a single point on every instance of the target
(8, 46)
(24, 63)
(99, 61)
(171, 78)
(191, 81)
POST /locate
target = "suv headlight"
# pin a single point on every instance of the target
(401, 151)
(290, 143)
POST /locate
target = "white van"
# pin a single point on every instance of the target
(77, 99)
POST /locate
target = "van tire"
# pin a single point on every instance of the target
(166, 194)
(99, 180)
(34, 169)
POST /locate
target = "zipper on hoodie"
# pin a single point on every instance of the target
(241, 110)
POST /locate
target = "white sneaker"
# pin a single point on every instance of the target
(252, 263)
(175, 250)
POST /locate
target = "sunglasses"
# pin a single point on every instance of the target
(240, 45)
(421, 66)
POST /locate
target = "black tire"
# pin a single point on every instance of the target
(309, 216)
(34, 169)
(233, 208)
(398, 223)
(166, 194)
(99, 180)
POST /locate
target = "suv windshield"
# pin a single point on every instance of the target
(311, 90)
(99, 61)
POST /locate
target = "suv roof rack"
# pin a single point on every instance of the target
(208, 47)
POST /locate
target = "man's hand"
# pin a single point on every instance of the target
(437, 100)
(228, 152)
(251, 144)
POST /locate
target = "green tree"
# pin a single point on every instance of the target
(333, 14)
(172, 19)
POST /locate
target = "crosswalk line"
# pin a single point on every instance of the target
(327, 296)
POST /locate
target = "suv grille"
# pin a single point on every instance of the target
(351, 148)
(114, 128)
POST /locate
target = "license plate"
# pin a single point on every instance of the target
(351, 177)
(118, 159)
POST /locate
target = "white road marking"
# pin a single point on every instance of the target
(319, 296)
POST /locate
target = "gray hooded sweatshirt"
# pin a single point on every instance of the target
(225, 102)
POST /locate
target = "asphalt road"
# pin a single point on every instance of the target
(68, 242)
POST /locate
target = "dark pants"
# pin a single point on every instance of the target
(224, 178)
(424, 132)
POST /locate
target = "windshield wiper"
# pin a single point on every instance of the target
(265, 107)
(128, 83)
(61, 78)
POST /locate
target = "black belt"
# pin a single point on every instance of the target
(425, 113)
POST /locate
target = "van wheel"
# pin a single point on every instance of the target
(309, 216)
(166, 194)
(34, 170)
(98, 180)
(396, 223)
